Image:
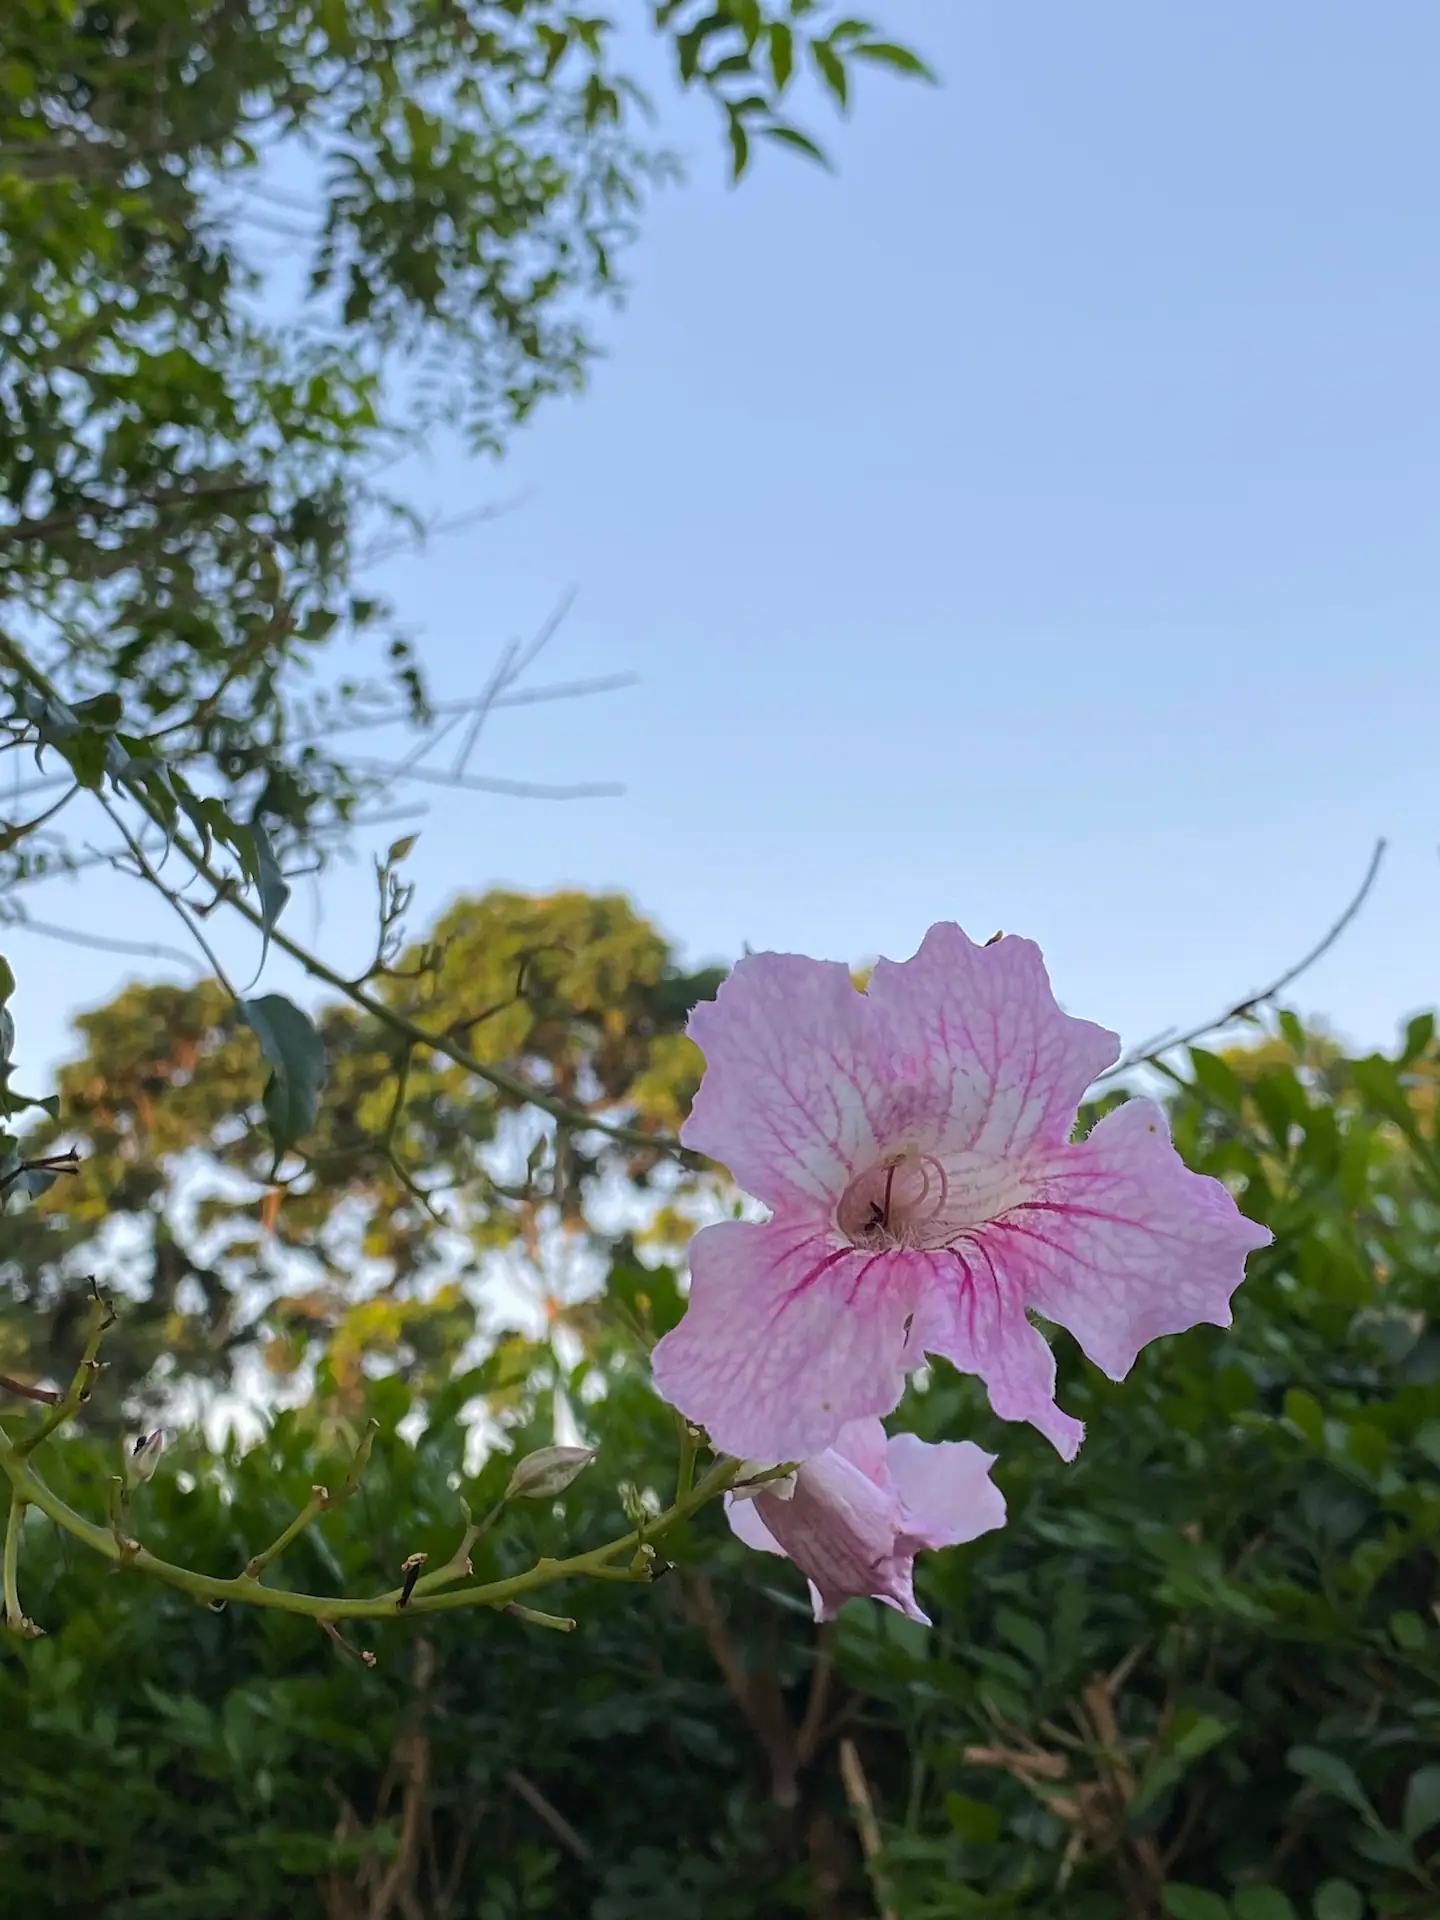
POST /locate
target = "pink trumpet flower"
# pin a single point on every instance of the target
(853, 1518)
(912, 1142)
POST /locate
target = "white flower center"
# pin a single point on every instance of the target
(921, 1200)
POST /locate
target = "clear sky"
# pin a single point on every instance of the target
(1032, 524)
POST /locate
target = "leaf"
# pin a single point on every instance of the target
(1303, 1411)
(263, 869)
(832, 70)
(399, 849)
(1192, 1903)
(103, 710)
(802, 143)
(1190, 1745)
(1023, 1634)
(296, 1054)
(1338, 1900)
(886, 53)
(782, 54)
(974, 1820)
(1422, 1802)
(1330, 1774)
(1261, 1903)
(86, 752)
(739, 145)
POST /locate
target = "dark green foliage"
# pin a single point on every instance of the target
(1197, 1675)
(190, 442)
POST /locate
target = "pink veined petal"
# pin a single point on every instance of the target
(972, 1311)
(899, 1586)
(945, 1491)
(746, 1525)
(981, 1027)
(840, 1530)
(788, 1336)
(795, 1069)
(863, 1443)
(1125, 1243)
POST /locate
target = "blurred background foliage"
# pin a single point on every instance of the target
(1197, 1675)
(414, 1174)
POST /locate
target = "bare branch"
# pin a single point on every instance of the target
(101, 942)
(479, 783)
(513, 662)
(1154, 1049)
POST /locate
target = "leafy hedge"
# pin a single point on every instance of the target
(1197, 1675)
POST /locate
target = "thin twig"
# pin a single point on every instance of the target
(553, 1818)
(320, 1501)
(362, 1654)
(482, 783)
(102, 1318)
(102, 943)
(168, 893)
(513, 662)
(1153, 1049)
(47, 1396)
(862, 1810)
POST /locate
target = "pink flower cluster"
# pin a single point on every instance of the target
(913, 1144)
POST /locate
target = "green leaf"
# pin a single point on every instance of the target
(974, 1820)
(1261, 1903)
(1407, 1630)
(1188, 1745)
(399, 849)
(104, 710)
(1338, 1900)
(1192, 1903)
(1023, 1634)
(782, 54)
(1303, 1410)
(792, 137)
(1422, 1802)
(1330, 1774)
(296, 1054)
(257, 857)
(1418, 1035)
(832, 70)
(739, 145)
(885, 53)
(7, 980)
(86, 752)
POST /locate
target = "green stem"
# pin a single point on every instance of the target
(559, 1623)
(30, 1489)
(321, 1498)
(102, 1319)
(685, 1473)
(14, 1617)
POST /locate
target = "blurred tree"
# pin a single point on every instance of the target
(192, 447)
(413, 1174)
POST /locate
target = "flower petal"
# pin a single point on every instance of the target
(787, 1337)
(795, 1067)
(746, 1525)
(863, 1443)
(1126, 1243)
(945, 1491)
(840, 1531)
(1006, 1069)
(972, 1311)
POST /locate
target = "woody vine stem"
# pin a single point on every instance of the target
(629, 1557)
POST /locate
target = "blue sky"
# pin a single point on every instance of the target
(1033, 524)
